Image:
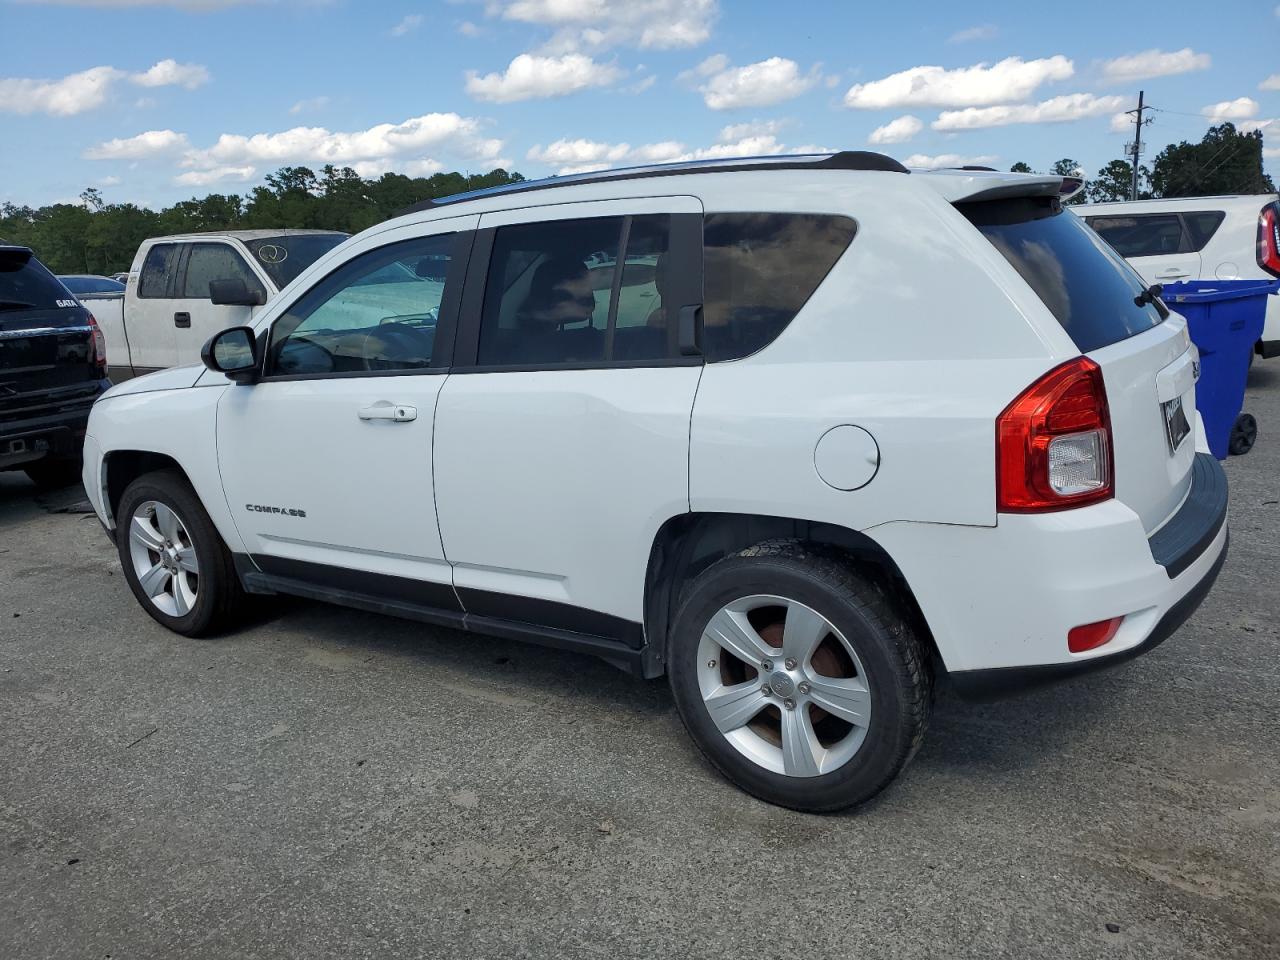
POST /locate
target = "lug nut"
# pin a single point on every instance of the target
(791, 664)
(766, 690)
(767, 666)
(711, 663)
(789, 703)
(803, 688)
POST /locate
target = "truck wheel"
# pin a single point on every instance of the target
(53, 472)
(1244, 433)
(798, 679)
(173, 557)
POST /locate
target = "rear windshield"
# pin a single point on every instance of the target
(286, 256)
(25, 284)
(1080, 278)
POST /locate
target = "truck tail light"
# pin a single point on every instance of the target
(1053, 443)
(1092, 635)
(99, 357)
(1269, 240)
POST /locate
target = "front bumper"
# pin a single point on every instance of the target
(1001, 600)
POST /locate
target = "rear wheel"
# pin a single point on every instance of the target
(1244, 434)
(797, 678)
(173, 557)
(53, 472)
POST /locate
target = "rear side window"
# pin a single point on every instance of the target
(26, 284)
(1202, 225)
(215, 261)
(759, 270)
(286, 256)
(1085, 284)
(1147, 235)
(578, 292)
(158, 270)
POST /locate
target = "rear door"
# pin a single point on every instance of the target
(1147, 363)
(1156, 244)
(195, 317)
(562, 435)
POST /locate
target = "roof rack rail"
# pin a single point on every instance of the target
(843, 160)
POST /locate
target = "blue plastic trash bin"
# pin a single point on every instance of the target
(1225, 319)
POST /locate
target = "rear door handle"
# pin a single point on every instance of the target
(182, 319)
(386, 410)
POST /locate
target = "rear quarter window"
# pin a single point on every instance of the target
(26, 284)
(759, 270)
(1086, 285)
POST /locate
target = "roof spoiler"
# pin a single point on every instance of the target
(15, 254)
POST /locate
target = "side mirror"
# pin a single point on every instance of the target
(235, 293)
(233, 352)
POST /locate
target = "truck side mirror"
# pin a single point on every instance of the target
(235, 293)
(233, 352)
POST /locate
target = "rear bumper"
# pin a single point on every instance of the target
(55, 432)
(1001, 600)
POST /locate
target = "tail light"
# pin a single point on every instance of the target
(1092, 635)
(1053, 443)
(99, 357)
(1269, 240)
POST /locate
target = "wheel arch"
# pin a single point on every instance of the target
(121, 467)
(689, 543)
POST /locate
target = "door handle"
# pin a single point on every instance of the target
(1173, 273)
(182, 319)
(386, 410)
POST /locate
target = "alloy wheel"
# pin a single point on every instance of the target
(164, 558)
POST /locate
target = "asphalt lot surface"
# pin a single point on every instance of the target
(326, 783)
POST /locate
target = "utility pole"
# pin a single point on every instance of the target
(1135, 148)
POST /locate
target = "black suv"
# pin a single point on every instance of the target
(53, 365)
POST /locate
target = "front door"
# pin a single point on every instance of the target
(327, 461)
(562, 436)
(195, 317)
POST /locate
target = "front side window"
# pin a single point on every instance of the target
(759, 270)
(158, 270)
(215, 261)
(376, 313)
(1147, 235)
(578, 291)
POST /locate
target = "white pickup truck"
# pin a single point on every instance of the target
(181, 290)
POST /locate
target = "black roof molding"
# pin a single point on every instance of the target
(844, 160)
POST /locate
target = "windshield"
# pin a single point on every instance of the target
(87, 285)
(286, 256)
(1085, 284)
(25, 284)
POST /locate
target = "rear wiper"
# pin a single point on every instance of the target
(1152, 295)
(14, 304)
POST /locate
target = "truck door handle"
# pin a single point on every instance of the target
(182, 319)
(386, 410)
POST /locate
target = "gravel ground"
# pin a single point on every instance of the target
(326, 783)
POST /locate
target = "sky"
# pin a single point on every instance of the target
(153, 101)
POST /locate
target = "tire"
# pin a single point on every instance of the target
(54, 472)
(1244, 433)
(194, 602)
(874, 648)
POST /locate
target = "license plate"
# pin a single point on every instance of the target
(1176, 426)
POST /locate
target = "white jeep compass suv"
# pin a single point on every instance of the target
(798, 432)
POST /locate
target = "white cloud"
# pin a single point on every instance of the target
(598, 25)
(530, 77)
(1271, 83)
(986, 31)
(1241, 108)
(756, 85)
(736, 140)
(1272, 153)
(1072, 106)
(1121, 123)
(923, 161)
(1154, 63)
(1249, 126)
(152, 143)
(109, 181)
(897, 131)
(89, 89)
(311, 103)
(468, 29)
(565, 153)
(198, 6)
(410, 23)
(1011, 79)
(715, 63)
(170, 73)
(641, 86)
(752, 128)
(203, 178)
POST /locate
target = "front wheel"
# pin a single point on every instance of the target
(797, 678)
(176, 564)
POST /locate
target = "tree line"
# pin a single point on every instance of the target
(101, 238)
(98, 237)
(1224, 162)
